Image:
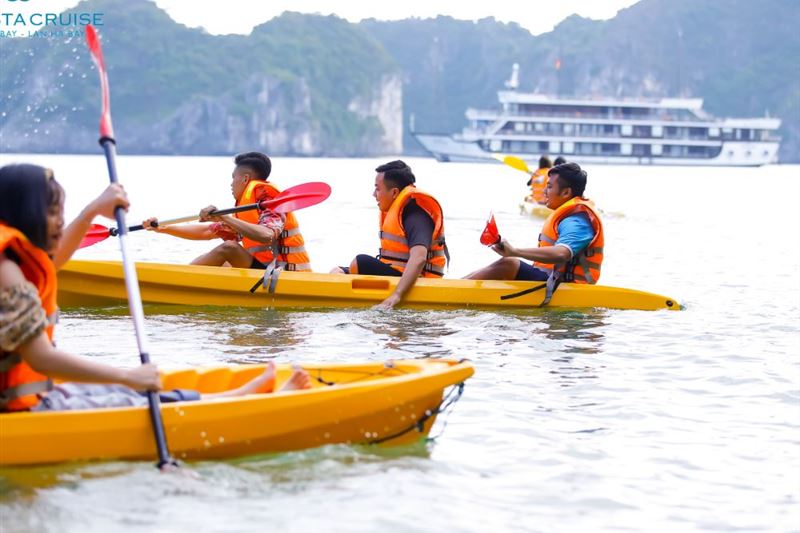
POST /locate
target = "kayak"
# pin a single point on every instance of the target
(371, 403)
(534, 209)
(101, 283)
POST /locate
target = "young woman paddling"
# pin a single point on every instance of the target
(32, 237)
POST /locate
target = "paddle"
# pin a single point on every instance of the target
(292, 199)
(131, 282)
(514, 162)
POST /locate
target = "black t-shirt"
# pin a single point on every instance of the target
(418, 226)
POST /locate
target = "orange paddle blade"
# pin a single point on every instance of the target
(95, 234)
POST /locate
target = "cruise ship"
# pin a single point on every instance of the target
(666, 131)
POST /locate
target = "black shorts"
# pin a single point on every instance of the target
(373, 266)
(258, 264)
(528, 272)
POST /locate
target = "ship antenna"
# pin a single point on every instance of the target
(513, 82)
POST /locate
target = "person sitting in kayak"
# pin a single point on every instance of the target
(559, 160)
(538, 181)
(411, 232)
(570, 244)
(251, 238)
(31, 236)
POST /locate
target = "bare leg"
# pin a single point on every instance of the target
(263, 383)
(504, 268)
(230, 252)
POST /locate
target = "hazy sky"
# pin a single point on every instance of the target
(239, 16)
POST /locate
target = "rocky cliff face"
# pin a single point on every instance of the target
(267, 114)
(385, 104)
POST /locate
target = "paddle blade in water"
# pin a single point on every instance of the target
(95, 234)
(299, 196)
(490, 235)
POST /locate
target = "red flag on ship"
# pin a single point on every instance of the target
(490, 235)
(558, 63)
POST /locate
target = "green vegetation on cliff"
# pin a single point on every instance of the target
(167, 78)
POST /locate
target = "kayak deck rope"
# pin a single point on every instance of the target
(389, 367)
(447, 402)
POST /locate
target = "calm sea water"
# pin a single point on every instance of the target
(575, 421)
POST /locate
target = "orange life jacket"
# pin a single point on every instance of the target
(394, 246)
(584, 267)
(290, 246)
(19, 383)
(539, 184)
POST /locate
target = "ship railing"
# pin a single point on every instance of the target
(473, 113)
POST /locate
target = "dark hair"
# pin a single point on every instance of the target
(544, 162)
(26, 193)
(570, 175)
(256, 161)
(397, 173)
(559, 160)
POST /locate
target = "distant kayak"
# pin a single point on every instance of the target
(381, 403)
(534, 209)
(101, 283)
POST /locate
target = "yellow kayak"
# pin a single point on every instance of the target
(101, 283)
(534, 209)
(384, 403)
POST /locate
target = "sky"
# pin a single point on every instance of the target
(240, 16)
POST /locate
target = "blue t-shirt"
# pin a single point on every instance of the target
(575, 232)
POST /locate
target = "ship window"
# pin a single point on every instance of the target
(766, 153)
(569, 128)
(698, 133)
(697, 150)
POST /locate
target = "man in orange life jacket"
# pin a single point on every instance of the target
(252, 238)
(571, 243)
(411, 233)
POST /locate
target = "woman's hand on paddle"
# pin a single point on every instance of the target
(107, 202)
(144, 377)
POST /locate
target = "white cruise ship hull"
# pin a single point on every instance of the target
(448, 148)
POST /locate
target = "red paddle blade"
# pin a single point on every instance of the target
(95, 234)
(490, 235)
(92, 39)
(298, 197)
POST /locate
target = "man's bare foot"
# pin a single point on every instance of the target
(299, 380)
(266, 381)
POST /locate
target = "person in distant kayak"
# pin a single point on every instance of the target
(538, 180)
(559, 160)
(31, 235)
(570, 244)
(411, 232)
(252, 239)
